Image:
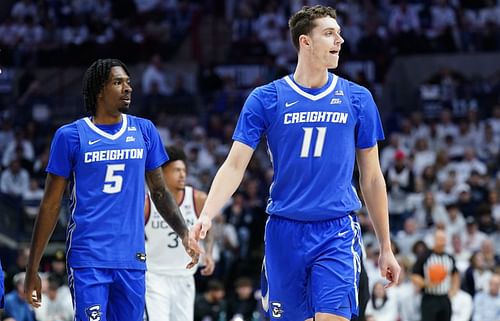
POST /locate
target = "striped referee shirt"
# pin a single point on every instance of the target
(423, 265)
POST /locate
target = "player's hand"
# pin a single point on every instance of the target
(201, 227)
(192, 248)
(209, 265)
(389, 267)
(33, 283)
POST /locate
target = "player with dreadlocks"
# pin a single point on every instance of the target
(105, 158)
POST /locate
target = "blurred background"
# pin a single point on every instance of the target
(433, 67)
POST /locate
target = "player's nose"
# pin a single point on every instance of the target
(339, 40)
(127, 88)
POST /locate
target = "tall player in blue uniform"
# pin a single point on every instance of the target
(106, 159)
(316, 125)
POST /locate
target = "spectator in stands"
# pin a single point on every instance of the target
(477, 276)
(32, 198)
(472, 238)
(429, 212)
(211, 305)
(423, 156)
(14, 181)
(58, 268)
(400, 183)
(404, 26)
(381, 306)
(154, 79)
(461, 306)
(15, 302)
(19, 266)
(407, 296)
(491, 259)
(468, 164)
(242, 304)
(494, 202)
(428, 179)
(494, 120)
(57, 303)
(240, 216)
(406, 238)
(464, 201)
(455, 222)
(487, 146)
(487, 304)
(28, 150)
(462, 256)
(24, 8)
(226, 245)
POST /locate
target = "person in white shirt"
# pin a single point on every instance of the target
(487, 304)
(57, 304)
(461, 306)
(381, 306)
(170, 286)
(14, 180)
(155, 79)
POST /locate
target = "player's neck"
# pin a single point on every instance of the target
(103, 118)
(177, 193)
(310, 76)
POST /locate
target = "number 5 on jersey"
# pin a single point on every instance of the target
(113, 181)
(306, 142)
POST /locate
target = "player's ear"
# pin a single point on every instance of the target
(305, 41)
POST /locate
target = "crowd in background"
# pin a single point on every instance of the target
(441, 165)
(37, 30)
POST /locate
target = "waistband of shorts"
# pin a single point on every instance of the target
(336, 219)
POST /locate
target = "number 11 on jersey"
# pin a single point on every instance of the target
(306, 142)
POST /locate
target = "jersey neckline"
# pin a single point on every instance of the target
(324, 91)
(108, 135)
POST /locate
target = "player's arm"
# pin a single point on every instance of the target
(168, 209)
(44, 226)
(373, 188)
(225, 183)
(208, 260)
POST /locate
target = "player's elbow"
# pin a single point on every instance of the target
(372, 180)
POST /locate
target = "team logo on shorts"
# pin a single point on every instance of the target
(276, 310)
(94, 312)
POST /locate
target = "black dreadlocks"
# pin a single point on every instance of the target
(94, 80)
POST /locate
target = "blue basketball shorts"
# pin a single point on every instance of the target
(311, 267)
(107, 294)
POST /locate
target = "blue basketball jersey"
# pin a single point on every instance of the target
(106, 167)
(312, 135)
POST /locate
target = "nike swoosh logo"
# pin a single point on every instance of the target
(291, 104)
(342, 233)
(92, 142)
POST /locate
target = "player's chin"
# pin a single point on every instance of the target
(124, 107)
(333, 63)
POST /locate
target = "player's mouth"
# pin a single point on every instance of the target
(335, 52)
(125, 99)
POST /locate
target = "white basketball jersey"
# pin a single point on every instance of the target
(164, 249)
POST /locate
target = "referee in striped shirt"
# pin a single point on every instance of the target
(437, 275)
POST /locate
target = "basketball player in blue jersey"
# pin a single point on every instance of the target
(316, 125)
(106, 159)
